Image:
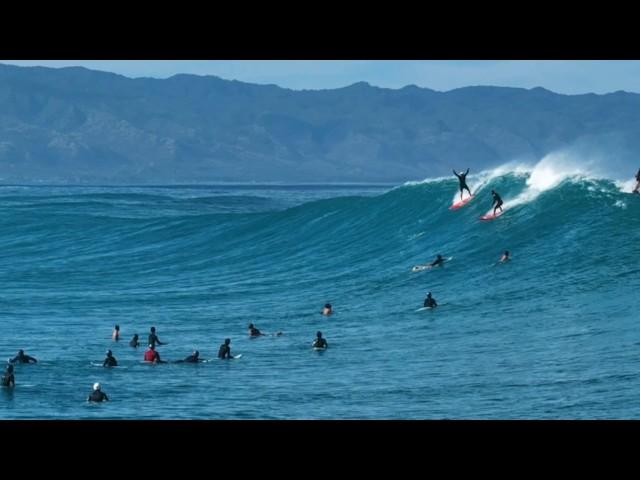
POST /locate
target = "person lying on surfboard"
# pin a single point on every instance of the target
(497, 201)
(462, 178)
(430, 301)
(505, 257)
(637, 189)
(437, 262)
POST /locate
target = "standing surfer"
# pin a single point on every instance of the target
(462, 178)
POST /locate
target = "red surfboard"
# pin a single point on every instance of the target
(461, 203)
(491, 216)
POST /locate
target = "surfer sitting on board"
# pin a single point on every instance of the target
(637, 189)
(505, 257)
(225, 350)
(462, 177)
(320, 342)
(497, 201)
(110, 361)
(430, 301)
(151, 355)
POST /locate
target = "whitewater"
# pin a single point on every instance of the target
(551, 334)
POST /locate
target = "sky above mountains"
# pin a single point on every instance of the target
(560, 76)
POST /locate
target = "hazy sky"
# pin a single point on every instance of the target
(562, 76)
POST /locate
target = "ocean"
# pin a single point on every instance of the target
(552, 334)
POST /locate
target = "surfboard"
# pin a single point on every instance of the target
(461, 203)
(420, 268)
(422, 309)
(491, 216)
(237, 357)
(319, 349)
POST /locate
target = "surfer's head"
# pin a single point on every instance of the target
(96, 386)
(109, 353)
(327, 305)
(20, 352)
(227, 341)
(506, 253)
(439, 256)
(250, 326)
(9, 368)
(117, 327)
(196, 353)
(319, 334)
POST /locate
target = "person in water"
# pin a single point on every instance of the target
(193, 358)
(225, 350)
(438, 262)
(254, 332)
(505, 257)
(462, 178)
(22, 358)
(497, 201)
(116, 333)
(110, 361)
(97, 395)
(327, 310)
(8, 379)
(430, 301)
(134, 341)
(153, 338)
(637, 189)
(320, 342)
(151, 355)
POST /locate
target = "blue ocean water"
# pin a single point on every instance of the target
(551, 334)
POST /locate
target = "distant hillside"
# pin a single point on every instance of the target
(75, 125)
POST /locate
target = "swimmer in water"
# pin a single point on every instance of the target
(97, 395)
(505, 257)
(327, 310)
(22, 358)
(134, 341)
(430, 302)
(320, 342)
(8, 379)
(115, 336)
(153, 338)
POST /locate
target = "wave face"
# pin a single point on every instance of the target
(552, 334)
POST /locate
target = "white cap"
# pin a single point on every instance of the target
(96, 386)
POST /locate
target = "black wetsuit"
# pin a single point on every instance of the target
(320, 343)
(23, 359)
(430, 302)
(97, 396)
(462, 178)
(134, 343)
(497, 201)
(191, 359)
(225, 351)
(437, 262)
(153, 340)
(254, 332)
(637, 188)
(8, 380)
(110, 362)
